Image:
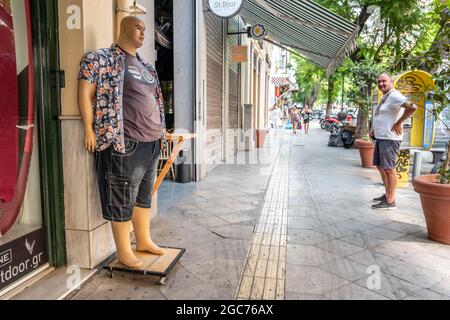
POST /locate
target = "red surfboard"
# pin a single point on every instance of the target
(16, 121)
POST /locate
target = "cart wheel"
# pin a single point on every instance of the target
(162, 281)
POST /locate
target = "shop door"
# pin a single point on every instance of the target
(23, 238)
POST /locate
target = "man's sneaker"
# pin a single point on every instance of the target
(384, 206)
(382, 198)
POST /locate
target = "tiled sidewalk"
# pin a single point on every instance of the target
(214, 220)
(336, 246)
(336, 241)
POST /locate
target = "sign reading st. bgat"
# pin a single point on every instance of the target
(225, 9)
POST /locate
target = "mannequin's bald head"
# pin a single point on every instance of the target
(131, 33)
(129, 21)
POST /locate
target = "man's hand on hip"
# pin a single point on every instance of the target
(398, 128)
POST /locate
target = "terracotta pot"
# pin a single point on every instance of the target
(260, 137)
(365, 152)
(435, 198)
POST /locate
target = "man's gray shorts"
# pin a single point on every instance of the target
(385, 153)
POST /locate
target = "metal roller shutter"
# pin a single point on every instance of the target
(214, 52)
(234, 25)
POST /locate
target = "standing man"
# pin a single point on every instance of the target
(121, 104)
(393, 109)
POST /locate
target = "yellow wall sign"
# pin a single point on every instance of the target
(415, 85)
(412, 86)
(239, 54)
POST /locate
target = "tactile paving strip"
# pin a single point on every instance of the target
(265, 268)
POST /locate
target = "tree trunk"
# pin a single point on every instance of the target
(314, 94)
(362, 125)
(311, 101)
(330, 95)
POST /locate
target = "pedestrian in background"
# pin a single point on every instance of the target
(276, 115)
(295, 118)
(307, 115)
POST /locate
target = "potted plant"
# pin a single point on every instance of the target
(364, 75)
(260, 137)
(434, 190)
(365, 147)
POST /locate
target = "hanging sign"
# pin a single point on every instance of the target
(225, 9)
(239, 54)
(258, 32)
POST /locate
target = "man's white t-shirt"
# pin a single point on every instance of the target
(389, 113)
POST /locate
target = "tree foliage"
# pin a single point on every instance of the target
(392, 35)
(389, 31)
(439, 63)
(309, 77)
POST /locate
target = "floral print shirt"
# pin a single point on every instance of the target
(105, 68)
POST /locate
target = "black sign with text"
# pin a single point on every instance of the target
(22, 256)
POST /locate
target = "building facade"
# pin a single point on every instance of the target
(47, 175)
(50, 212)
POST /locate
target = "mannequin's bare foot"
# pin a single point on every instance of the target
(130, 260)
(151, 247)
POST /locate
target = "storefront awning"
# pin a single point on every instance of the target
(317, 34)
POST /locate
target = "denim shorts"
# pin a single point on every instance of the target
(125, 180)
(385, 153)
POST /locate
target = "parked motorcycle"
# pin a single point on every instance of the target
(326, 123)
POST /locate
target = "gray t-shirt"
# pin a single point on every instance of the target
(141, 115)
(388, 114)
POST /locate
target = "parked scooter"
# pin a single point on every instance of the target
(327, 122)
(330, 119)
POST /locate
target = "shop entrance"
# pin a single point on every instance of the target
(24, 249)
(164, 59)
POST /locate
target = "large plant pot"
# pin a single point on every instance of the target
(260, 137)
(365, 152)
(435, 198)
